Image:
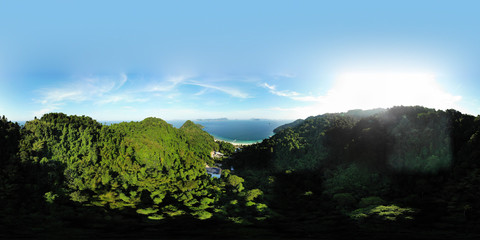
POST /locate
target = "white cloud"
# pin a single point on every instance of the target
(350, 91)
(102, 91)
(43, 111)
(271, 87)
(99, 90)
(173, 82)
(230, 91)
(168, 85)
(120, 98)
(309, 98)
(82, 90)
(59, 95)
(123, 80)
(284, 75)
(285, 93)
(201, 92)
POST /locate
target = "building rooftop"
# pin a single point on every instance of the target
(214, 171)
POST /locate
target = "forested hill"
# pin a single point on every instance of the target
(398, 173)
(65, 171)
(394, 169)
(356, 114)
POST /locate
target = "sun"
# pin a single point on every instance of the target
(367, 90)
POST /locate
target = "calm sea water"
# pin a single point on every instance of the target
(238, 131)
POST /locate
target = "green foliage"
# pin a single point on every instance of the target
(226, 147)
(9, 168)
(383, 212)
(309, 174)
(357, 180)
(202, 215)
(288, 125)
(172, 211)
(370, 201)
(236, 182)
(50, 197)
(344, 200)
(147, 211)
(77, 196)
(199, 141)
(252, 194)
(414, 155)
(306, 146)
(156, 217)
(149, 166)
(261, 207)
(421, 144)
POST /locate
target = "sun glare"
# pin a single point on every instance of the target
(380, 89)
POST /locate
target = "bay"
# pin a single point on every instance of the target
(237, 131)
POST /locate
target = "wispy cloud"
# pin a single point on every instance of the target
(292, 94)
(284, 75)
(59, 95)
(101, 91)
(230, 91)
(82, 90)
(174, 82)
(98, 90)
(309, 98)
(201, 92)
(167, 85)
(284, 93)
(48, 109)
(120, 98)
(123, 80)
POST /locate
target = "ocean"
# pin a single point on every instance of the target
(238, 131)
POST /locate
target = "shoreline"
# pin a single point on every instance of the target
(236, 144)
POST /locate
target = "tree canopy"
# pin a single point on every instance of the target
(404, 169)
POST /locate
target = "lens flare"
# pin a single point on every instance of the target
(386, 89)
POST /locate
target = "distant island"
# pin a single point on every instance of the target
(212, 119)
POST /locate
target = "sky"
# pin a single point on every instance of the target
(128, 60)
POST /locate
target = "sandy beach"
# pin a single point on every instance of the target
(236, 144)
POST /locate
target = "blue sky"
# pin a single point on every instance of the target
(127, 60)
